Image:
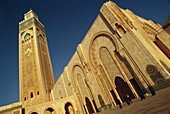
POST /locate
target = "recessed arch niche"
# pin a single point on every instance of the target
(78, 80)
(102, 39)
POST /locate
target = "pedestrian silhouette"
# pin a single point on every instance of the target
(126, 99)
(129, 99)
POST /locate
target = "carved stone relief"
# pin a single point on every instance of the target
(155, 75)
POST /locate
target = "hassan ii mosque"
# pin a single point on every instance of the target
(121, 54)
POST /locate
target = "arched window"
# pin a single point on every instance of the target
(101, 100)
(38, 93)
(120, 29)
(31, 95)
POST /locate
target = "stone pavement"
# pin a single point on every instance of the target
(158, 104)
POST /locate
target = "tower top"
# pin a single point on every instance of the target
(29, 18)
(30, 14)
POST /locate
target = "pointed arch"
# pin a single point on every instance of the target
(27, 34)
(101, 39)
(120, 29)
(123, 88)
(78, 78)
(101, 100)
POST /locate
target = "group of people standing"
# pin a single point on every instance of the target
(140, 93)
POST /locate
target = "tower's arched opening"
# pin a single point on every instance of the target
(49, 111)
(69, 108)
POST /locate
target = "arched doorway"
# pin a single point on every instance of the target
(49, 111)
(123, 88)
(101, 100)
(89, 106)
(69, 108)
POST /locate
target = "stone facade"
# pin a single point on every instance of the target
(120, 55)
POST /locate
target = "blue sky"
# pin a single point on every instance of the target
(66, 23)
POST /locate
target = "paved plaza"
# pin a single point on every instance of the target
(158, 104)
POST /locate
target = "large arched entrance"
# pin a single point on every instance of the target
(89, 106)
(123, 88)
(69, 108)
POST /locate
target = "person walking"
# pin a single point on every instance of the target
(126, 99)
(129, 99)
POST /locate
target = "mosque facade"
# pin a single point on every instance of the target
(121, 54)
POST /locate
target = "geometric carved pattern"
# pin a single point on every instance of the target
(155, 75)
(158, 75)
(30, 83)
(151, 70)
(149, 29)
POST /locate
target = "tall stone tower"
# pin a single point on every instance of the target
(35, 70)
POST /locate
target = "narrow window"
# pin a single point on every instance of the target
(101, 100)
(25, 99)
(23, 111)
(31, 95)
(120, 29)
(37, 92)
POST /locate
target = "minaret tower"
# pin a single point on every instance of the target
(36, 77)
